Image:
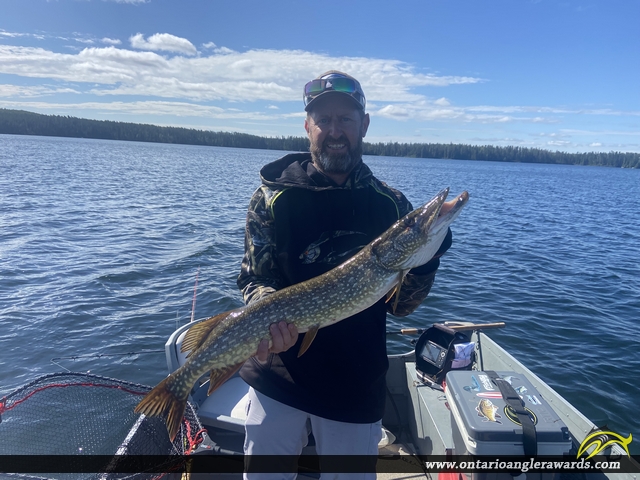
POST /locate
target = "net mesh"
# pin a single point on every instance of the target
(85, 414)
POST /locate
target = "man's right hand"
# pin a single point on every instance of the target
(283, 336)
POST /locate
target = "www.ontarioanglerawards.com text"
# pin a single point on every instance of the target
(521, 465)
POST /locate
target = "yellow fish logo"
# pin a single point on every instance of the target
(488, 410)
(601, 439)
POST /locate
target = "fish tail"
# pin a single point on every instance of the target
(163, 400)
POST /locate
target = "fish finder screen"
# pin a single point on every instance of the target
(434, 354)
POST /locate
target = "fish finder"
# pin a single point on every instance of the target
(433, 353)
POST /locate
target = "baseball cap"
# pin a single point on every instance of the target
(333, 82)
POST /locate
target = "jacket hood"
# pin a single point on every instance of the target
(297, 170)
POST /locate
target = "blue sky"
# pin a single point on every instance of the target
(558, 75)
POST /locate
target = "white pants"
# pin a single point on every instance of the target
(273, 428)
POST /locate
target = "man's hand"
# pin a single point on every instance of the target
(283, 337)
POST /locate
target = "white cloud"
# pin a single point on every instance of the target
(223, 51)
(603, 132)
(271, 75)
(17, 91)
(147, 81)
(163, 42)
(157, 108)
(4, 33)
(111, 41)
(425, 110)
(106, 65)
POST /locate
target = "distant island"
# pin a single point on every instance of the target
(20, 122)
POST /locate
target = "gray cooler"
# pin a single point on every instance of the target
(487, 427)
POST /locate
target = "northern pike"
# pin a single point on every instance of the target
(221, 344)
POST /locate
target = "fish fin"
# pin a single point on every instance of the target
(395, 302)
(308, 338)
(392, 293)
(197, 334)
(220, 375)
(395, 291)
(162, 400)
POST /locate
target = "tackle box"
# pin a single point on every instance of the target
(485, 426)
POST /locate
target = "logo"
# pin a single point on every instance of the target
(489, 411)
(511, 414)
(602, 438)
(333, 247)
(474, 385)
(486, 382)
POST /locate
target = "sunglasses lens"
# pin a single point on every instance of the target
(345, 85)
(336, 84)
(314, 87)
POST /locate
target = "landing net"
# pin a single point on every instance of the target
(74, 414)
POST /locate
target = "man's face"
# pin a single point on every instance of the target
(336, 128)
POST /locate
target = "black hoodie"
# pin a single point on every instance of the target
(300, 225)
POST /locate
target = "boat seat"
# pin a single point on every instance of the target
(226, 407)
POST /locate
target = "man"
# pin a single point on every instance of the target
(314, 211)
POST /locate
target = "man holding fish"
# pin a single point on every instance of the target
(329, 250)
(312, 212)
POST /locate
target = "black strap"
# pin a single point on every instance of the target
(509, 395)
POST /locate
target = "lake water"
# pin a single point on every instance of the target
(101, 241)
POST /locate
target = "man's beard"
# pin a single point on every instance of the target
(336, 163)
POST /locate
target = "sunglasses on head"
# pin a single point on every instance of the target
(335, 84)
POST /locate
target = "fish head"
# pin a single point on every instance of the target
(415, 238)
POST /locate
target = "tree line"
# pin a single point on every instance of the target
(20, 122)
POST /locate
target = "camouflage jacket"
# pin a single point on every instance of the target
(260, 274)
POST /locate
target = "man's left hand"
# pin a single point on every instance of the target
(283, 336)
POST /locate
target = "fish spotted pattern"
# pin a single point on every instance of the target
(221, 344)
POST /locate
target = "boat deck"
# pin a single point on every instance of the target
(417, 415)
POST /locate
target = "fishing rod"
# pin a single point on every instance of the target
(195, 292)
(54, 360)
(407, 331)
(453, 326)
